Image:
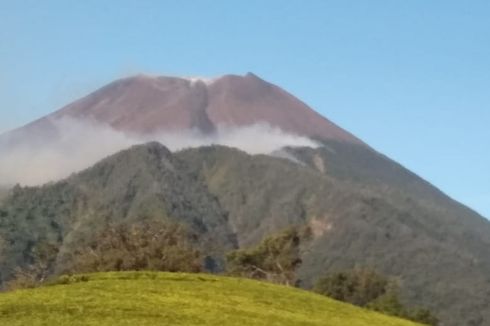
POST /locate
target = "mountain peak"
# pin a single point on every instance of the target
(208, 80)
(146, 104)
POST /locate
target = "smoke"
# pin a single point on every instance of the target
(80, 144)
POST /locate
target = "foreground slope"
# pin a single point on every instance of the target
(178, 299)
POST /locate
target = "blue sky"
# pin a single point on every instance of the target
(411, 78)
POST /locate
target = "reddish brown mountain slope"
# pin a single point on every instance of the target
(145, 105)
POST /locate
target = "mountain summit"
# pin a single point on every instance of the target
(144, 105)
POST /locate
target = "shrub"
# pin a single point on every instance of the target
(275, 259)
(366, 288)
(358, 286)
(155, 245)
(43, 256)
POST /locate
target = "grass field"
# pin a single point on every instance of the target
(147, 298)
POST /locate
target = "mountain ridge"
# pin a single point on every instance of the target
(233, 199)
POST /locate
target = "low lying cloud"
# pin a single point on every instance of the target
(79, 145)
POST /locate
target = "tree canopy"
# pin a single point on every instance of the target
(275, 259)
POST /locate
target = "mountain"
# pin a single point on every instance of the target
(363, 208)
(141, 183)
(145, 105)
(178, 299)
(233, 199)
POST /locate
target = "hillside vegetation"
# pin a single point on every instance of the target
(362, 209)
(150, 298)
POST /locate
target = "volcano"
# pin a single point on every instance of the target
(363, 208)
(145, 105)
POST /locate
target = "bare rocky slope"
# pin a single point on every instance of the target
(145, 105)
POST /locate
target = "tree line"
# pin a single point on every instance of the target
(168, 246)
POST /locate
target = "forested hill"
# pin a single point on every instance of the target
(401, 226)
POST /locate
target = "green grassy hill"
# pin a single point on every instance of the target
(148, 298)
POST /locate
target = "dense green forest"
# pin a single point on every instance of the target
(226, 200)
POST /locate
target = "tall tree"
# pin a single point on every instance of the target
(275, 259)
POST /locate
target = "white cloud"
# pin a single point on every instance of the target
(205, 80)
(82, 144)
